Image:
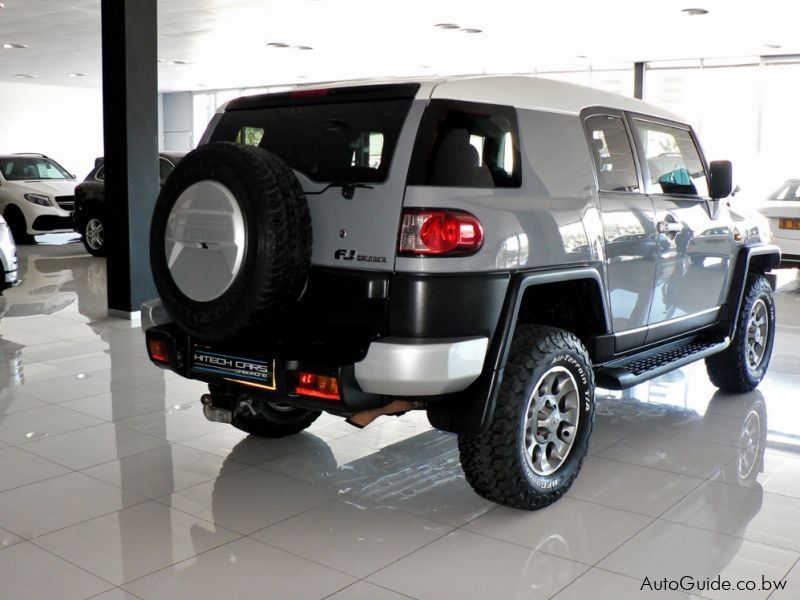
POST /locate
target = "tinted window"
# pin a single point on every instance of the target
(164, 169)
(19, 168)
(342, 142)
(462, 144)
(612, 153)
(672, 159)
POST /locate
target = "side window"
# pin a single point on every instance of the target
(612, 153)
(672, 159)
(101, 174)
(464, 144)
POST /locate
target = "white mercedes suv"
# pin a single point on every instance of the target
(37, 195)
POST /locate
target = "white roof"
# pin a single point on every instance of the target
(540, 94)
(520, 91)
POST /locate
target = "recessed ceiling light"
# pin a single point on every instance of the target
(447, 26)
(304, 47)
(694, 12)
(772, 46)
(10, 46)
(302, 76)
(2, 5)
(76, 74)
(179, 62)
(471, 30)
(278, 45)
(25, 76)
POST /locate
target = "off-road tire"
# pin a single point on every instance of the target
(494, 461)
(16, 223)
(271, 423)
(277, 255)
(730, 370)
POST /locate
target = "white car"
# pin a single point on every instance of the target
(782, 208)
(8, 257)
(37, 195)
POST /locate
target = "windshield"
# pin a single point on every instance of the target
(339, 142)
(19, 168)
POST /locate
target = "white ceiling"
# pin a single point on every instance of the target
(226, 41)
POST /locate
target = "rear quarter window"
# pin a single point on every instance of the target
(462, 144)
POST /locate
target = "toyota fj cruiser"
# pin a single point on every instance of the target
(486, 249)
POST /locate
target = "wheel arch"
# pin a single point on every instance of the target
(750, 260)
(532, 297)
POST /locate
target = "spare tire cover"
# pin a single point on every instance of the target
(230, 241)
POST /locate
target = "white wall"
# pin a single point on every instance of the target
(64, 123)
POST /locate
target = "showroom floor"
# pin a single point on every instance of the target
(113, 485)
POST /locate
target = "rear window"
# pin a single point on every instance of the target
(340, 142)
(464, 144)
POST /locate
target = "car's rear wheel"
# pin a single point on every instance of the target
(93, 235)
(19, 228)
(272, 419)
(532, 451)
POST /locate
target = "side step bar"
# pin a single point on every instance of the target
(632, 370)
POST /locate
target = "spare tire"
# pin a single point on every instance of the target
(230, 241)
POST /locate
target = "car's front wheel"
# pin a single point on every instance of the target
(93, 235)
(742, 366)
(532, 451)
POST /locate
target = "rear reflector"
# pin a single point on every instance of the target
(439, 232)
(318, 386)
(159, 351)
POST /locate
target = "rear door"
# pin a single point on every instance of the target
(350, 149)
(628, 226)
(694, 239)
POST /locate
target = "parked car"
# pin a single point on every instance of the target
(90, 202)
(8, 257)
(782, 208)
(37, 195)
(465, 262)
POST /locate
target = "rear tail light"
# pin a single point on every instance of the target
(158, 350)
(318, 386)
(439, 232)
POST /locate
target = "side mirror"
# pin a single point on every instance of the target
(721, 183)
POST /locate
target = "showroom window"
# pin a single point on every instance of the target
(461, 144)
(673, 161)
(612, 153)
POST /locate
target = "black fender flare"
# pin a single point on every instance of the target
(750, 259)
(470, 411)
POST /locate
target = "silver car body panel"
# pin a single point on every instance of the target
(397, 367)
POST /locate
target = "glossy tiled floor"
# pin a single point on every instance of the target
(112, 485)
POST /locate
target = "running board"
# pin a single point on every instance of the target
(632, 370)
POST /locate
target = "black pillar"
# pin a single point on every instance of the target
(638, 80)
(130, 114)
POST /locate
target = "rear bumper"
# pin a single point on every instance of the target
(397, 367)
(390, 367)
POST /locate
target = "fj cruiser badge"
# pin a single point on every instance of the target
(354, 255)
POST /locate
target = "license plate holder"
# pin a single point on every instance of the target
(259, 372)
(793, 224)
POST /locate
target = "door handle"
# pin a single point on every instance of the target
(668, 227)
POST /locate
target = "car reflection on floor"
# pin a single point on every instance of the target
(681, 479)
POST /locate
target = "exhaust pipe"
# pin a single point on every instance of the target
(213, 413)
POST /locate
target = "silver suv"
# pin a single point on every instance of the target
(485, 249)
